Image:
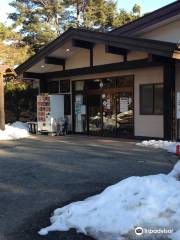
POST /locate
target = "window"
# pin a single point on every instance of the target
(92, 84)
(125, 81)
(151, 99)
(108, 83)
(64, 86)
(53, 86)
(67, 104)
(79, 85)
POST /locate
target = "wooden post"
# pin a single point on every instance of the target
(169, 100)
(2, 114)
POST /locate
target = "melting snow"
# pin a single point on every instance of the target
(149, 202)
(167, 145)
(14, 131)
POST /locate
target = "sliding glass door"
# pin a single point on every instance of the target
(125, 116)
(104, 107)
(94, 114)
(80, 114)
(109, 114)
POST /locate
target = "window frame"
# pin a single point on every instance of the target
(65, 80)
(50, 82)
(70, 106)
(153, 98)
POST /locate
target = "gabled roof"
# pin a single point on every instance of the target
(148, 20)
(151, 46)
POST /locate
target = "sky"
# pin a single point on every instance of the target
(146, 5)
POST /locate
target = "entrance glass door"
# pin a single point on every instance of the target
(80, 114)
(94, 115)
(109, 103)
(109, 114)
(125, 119)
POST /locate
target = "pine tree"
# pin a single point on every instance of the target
(100, 15)
(91, 14)
(12, 50)
(38, 20)
(74, 10)
(41, 21)
(137, 9)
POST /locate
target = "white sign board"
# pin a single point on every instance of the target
(77, 108)
(83, 109)
(124, 102)
(178, 105)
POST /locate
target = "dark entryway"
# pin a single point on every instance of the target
(104, 107)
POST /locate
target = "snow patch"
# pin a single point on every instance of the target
(149, 202)
(167, 145)
(16, 130)
(176, 171)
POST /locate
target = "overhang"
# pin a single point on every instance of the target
(88, 39)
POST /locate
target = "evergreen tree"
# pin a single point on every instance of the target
(92, 14)
(74, 10)
(12, 52)
(137, 9)
(39, 21)
(100, 15)
(124, 17)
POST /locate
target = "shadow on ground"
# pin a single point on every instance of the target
(29, 230)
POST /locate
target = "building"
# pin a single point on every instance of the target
(122, 83)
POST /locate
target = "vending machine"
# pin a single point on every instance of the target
(50, 111)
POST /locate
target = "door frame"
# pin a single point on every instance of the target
(85, 94)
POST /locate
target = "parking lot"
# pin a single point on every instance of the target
(42, 173)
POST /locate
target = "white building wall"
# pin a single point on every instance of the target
(135, 55)
(79, 60)
(82, 59)
(168, 32)
(147, 125)
(100, 57)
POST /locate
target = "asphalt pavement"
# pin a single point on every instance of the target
(42, 173)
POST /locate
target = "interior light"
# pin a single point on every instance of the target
(67, 49)
(101, 84)
(42, 66)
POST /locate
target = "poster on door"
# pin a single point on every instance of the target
(124, 102)
(108, 104)
(178, 105)
(77, 108)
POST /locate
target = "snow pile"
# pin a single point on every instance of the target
(14, 131)
(167, 145)
(150, 202)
